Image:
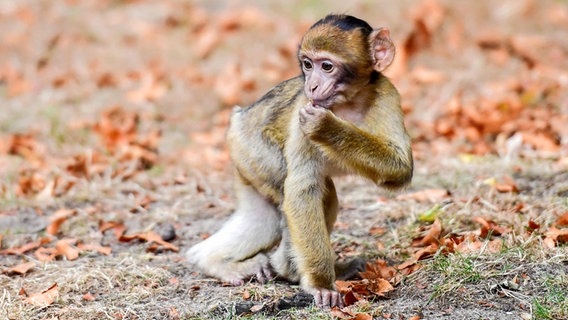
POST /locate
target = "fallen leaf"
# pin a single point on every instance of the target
(557, 235)
(562, 221)
(44, 298)
(58, 218)
(22, 268)
(532, 226)
(88, 297)
(94, 247)
(362, 316)
(27, 247)
(119, 227)
(432, 237)
(151, 237)
(428, 195)
(490, 227)
(341, 313)
(64, 248)
(46, 254)
(377, 231)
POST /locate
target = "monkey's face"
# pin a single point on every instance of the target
(323, 74)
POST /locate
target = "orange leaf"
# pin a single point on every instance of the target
(532, 226)
(425, 252)
(88, 297)
(378, 269)
(350, 298)
(119, 228)
(432, 237)
(149, 236)
(340, 313)
(22, 268)
(58, 218)
(488, 226)
(46, 254)
(380, 287)
(558, 235)
(44, 298)
(427, 195)
(25, 248)
(562, 221)
(64, 248)
(363, 316)
(377, 231)
(94, 247)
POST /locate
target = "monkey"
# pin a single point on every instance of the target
(341, 115)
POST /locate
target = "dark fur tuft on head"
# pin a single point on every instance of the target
(345, 23)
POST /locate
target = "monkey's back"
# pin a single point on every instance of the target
(256, 137)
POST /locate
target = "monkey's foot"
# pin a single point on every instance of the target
(325, 298)
(237, 273)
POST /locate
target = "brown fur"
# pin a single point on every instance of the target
(285, 150)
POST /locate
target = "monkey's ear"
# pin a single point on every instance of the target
(382, 49)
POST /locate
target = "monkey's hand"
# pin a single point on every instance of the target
(325, 298)
(312, 118)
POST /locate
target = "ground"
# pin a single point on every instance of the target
(113, 160)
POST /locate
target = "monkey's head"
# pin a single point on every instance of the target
(339, 55)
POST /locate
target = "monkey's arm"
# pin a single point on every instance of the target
(383, 156)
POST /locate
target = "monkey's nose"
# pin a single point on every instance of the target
(314, 88)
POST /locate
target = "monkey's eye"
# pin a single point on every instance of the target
(307, 64)
(327, 66)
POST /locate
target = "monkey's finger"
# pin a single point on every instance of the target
(318, 299)
(326, 299)
(267, 271)
(336, 299)
(237, 282)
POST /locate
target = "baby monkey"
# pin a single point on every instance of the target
(341, 115)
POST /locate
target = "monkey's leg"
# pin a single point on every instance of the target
(282, 259)
(236, 251)
(347, 269)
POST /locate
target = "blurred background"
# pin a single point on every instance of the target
(79, 78)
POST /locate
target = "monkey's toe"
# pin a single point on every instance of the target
(325, 298)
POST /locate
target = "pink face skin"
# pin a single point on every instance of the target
(321, 73)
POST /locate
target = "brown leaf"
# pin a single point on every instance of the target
(558, 235)
(22, 268)
(378, 269)
(432, 237)
(58, 218)
(562, 221)
(363, 316)
(27, 247)
(341, 313)
(44, 298)
(88, 297)
(377, 231)
(425, 252)
(94, 247)
(508, 185)
(119, 227)
(349, 298)
(532, 226)
(46, 254)
(490, 227)
(150, 236)
(64, 248)
(380, 287)
(427, 195)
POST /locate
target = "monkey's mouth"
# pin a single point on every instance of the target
(318, 102)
